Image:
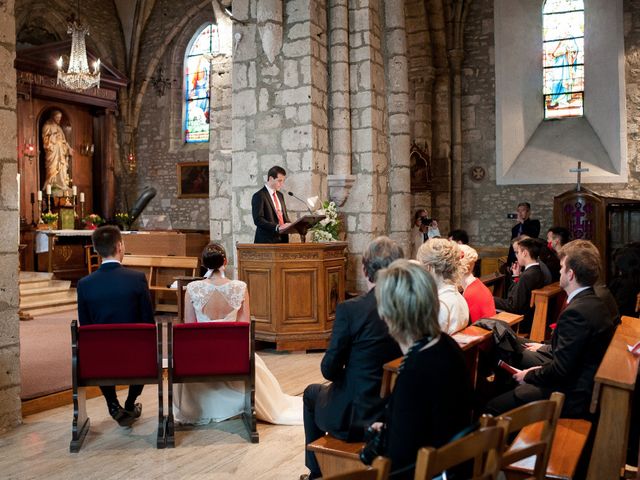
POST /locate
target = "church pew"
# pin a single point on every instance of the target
(494, 282)
(612, 395)
(337, 456)
(161, 272)
(547, 302)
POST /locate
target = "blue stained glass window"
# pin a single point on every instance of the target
(196, 81)
(563, 58)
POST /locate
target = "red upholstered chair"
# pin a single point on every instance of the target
(210, 352)
(114, 354)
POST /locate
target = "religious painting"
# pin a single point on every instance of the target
(197, 68)
(563, 58)
(193, 180)
(420, 169)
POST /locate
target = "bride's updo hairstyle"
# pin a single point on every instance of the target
(213, 256)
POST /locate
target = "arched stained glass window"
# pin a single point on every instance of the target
(563, 63)
(196, 81)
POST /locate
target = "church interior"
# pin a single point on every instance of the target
(381, 107)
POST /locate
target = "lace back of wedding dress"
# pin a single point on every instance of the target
(232, 292)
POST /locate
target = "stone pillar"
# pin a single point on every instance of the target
(397, 80)
(279, 107)
(10, 414)
(340, 179)
(366, 208)
(455, 57)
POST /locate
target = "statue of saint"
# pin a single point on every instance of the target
(57, 153)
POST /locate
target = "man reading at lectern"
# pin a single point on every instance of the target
(268, 209)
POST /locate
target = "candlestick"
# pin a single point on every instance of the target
(81, 197)
(81, 206)
(39, 195)
(48, 189)
(33, 212)
(74, 190)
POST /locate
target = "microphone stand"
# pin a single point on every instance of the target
(300, 200)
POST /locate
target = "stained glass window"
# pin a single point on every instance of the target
(196, 81)
(563, 58)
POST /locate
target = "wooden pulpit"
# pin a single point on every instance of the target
(294, 289)
(608, 222)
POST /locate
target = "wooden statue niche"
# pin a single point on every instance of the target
(56, 153)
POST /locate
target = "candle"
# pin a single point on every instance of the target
(82, 197)
(39, 195)
(74, 190)
(48, 189)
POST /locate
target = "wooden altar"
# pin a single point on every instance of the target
(608, 222)
(294, 290)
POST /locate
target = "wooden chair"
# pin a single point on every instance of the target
(543, 416)
(113, 354)
(180, 291)
(483, 446)
(379, 471)
(212, 352)
(92, 258)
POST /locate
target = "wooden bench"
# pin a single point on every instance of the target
(494, 282)
(336, 456)
(568, 442)
(161, 272)
(548, 302)
(615, 382)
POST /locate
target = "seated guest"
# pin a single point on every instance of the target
(579, 342)
(441, 258)
(625, 284)
(432, 397)
(530, 277)
(459, 236)
(476, 293)
(557, 237)
(115, 294)
(360, 345)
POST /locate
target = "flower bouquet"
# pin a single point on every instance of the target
(92, 221)
(326, 230)
(50, 219)
(124, 220)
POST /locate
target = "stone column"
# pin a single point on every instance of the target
(10, 414)
(397, 80)
(279, 106)
(455, 57)
(340, 179)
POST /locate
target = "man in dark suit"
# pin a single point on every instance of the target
(114, 294)
(525, 226)
(579, 342)
(527, 276)
(360, 345)
(269, 210)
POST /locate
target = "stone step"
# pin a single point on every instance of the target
(51, 286)
(66, 298)
(34, 277)
(51, 309)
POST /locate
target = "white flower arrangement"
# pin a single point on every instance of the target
(326, 230)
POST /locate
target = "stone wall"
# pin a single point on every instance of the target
(485, 205)
(10, 414)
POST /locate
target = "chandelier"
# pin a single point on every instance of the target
(78, 77)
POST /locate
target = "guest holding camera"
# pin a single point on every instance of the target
(423, 229)
(431, 400)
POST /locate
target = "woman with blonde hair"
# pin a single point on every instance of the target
(431, 400)
(441, 258)
(478, 296)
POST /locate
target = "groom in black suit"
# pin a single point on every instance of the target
(269, 210)
(360, 345)
(115, 294)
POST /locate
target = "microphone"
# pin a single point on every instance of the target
(301, 200)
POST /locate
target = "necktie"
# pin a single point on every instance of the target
(278, 210)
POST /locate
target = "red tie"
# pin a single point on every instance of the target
(278, 211)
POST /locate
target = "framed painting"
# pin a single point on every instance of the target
(193, 180)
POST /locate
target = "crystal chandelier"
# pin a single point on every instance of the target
(78, 77)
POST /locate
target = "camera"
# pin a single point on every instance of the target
(374, 445)
(426, 221)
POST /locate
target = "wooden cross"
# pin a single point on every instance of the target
(579, 171)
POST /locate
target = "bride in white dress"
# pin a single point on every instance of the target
(217, 299)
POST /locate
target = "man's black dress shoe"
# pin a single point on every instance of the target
(130, 416)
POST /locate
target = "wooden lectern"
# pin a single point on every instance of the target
(302, 225)
(294, 290)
